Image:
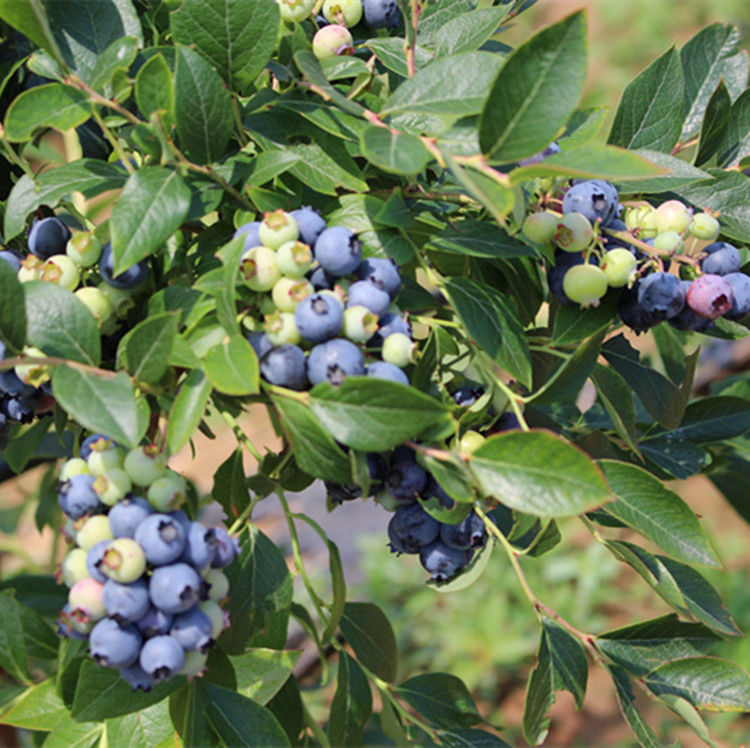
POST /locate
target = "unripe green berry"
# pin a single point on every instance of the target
(104, 457)
(218, 583)
(31, 268)
(331, 41)
(277, 228)
(288, 292)
(281, 328)
(398, 349)
(92, 530)
(585, 284)
(168, 492)
(470, 442)
(120, 299)
(360, 324)
(73, 466)
(33, 374)
(574, 232)
(112, 485)
(647, 228)
(145, 464)
(706, 227)
(195, 663)
(620, 267)
(73, 567)
(669, 241)
(295, 10)
(62, 271)
(541, 227)
(215, 615)
(84, 249)
(96, 301)
(123, 561)
(672, 216)
(346, 12)
(258, 269)
(294, 259)
(634, 214)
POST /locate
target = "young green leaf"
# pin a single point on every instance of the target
(50, 105)
(368, 632)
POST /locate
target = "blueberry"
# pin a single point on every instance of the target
(260, 343)
(467, 394)
(661, 295)
(162, 539)
(468, 533)
(114, 645)
(162, 657)
(12, 384)
(250, 233)
(442, 561)
(367, 294)
(21, 408)
(411, 528)
(381, 13)
(154, 622)
(48, 237)
(389, 324)
(192, 630)
(175, 588)
(723, 258)
(537, 158)
(227, 549)
(508, 421)
(200, 546)
(384, 370)
(633, 314)
(127, 514)
(710, 296)
(740, 284)
(126, 603)
(381, 272)
(687, 319)
(405, 481)
(595, 199)
(341, 492)
(87, 447)
(333, 361)
(94, 557)
(338, 251)
(434, 490)
(285, 365)
(319, 317)
(321, 281)
(310, 224)
(556, 273)
(77, 496)
(133, 277)
(11, 258)
(68, 625)
(138, 678)
(4, 432)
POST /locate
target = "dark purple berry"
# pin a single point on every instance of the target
(404, 481)
(411, 528)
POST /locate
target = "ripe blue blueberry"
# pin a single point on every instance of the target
(319, 317)
(321, 281)
(285, 365)
(162, 539)
(338, 251)
(537, 158)
(138, 678)
(227, 549)
(661, 295)
(94, 558)
(99, 440)
(131, 278)
(126, 603)
(367, 294)
(468, 533)
(154, 622)
(310, 224)
(467, 394)
(740, 284)
(383, 273)
(595, 199)
(77, 496)
(47, 237)
(404, 481)
(334, 361)
(388, 324)
(633, 314)
(442, 561)
(114, 645)
(200, 546)
(260, 343)
(250, 233)
(175, 588)
(381, 14)
(723, 258)
(161, 657)
(384, 370)
(434, 490)
(11, 258)
(192, 630)
(411, 528)
(127, 514)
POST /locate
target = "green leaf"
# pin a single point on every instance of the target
(150, 209)
(12, 310)
(468, 32)
(479, 239)
(714, 123)
(146, 348)
(100, 403)
(538, 473)
(470, 738)
(69, 733)
(437, 15)
(646, 505)
(641, 647)
(708, 683)
(561, 665)
(85, 28)
(440, 697)
(713, 419)
(37, 708)
(187, 410)
(262, 672)
(230, 484)
(186, 712)
(59, 324)
(536, 91)
(270, 164)
(583, 126)
(468, 574)
(590, 161)
(678, 173)
(734, 144)
(374, 415)
(713, 53)
(390, 53)
(49, 105)
(679, 585)
(309, 66)
(29, 17)
(351, 706)
(119, 55)
(368, 632)
(203, 109)
(240, 721)
(624, 689)
(315, 450)
(237, 38)
(492, 322)
(146, 728)
(573, 324)
(232, 367)
(394, 152)
(154, 88)
(731, 475)
(615, 395)
(651, 110)
(322, 172)
(455, 86)
(13, 658)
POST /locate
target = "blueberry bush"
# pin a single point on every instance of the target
(408, 242)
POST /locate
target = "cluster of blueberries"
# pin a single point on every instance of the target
(146, 582)
(316, 291)
(57, 256)
(593, 254)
